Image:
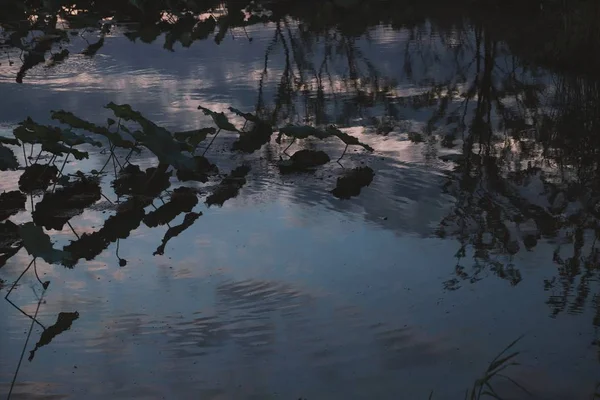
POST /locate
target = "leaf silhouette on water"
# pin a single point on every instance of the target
(253, 139)
(301, 132)
(349, 140)
(60, 149)
(34, 57)
(182, 200)
(119, 226)
(37, 177)
(29, 131)
(38, 244)
(8, 160)
(229, 187)
(157, 139)
(304, 161)
(351, 184)
(93, 48)
(57, 208)
(132, 181)
(59, 57)
(220, 119)
(11, 141)
(188, 220)
(63, 323)
(200, 173)
(11, 203)
(10, 241)
(194, 137)
(68, 118)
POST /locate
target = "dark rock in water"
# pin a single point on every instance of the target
(304, 161)
(201, 173)
(351, 184)
(37, 177)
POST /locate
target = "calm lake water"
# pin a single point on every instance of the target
(287, 291)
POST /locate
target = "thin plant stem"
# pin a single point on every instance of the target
(211, 142)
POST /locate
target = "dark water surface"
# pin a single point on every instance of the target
(288, 292)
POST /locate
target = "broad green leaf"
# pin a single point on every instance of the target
(8, 160)
(219, 119)
(38, 244)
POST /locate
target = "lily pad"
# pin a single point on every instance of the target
(11, 203)
(229, 187)
(220, 119)
(37, 177)
(183, 200)
(38, 244)
(351, 184)
(8, 160)
(304, 161)
(188, 221)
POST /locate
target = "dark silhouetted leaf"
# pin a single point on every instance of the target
(93, 48)
(188, 220)
(11, 203)
(219, 119)
(37, 177)
(8, 160)
(134, 182)
(59, 57)
(304, 160)
(199, 174)
(195, 137)
(11, 141)
(60, 149)
(182, 200)
(347, 139)
(57, 208)
(229, 187)
(38, 244)
(350, 185)
(10, 241)
(301, 132)
(63, 323)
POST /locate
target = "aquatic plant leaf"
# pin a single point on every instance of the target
(303, 161)
(72, 139)
(57, 208)
(157, 139)
(29, 131)
(247, 116)
(203, 169)
(301, 132)
(59, 57)
(220, 119)
(63, 323)
(11, 203)
(38, 244)
(11, 141)
(37, 177)
(229, 187)
(68, 118)
(129, 216)
(182, 200)
(10, 241)
(132, 181)
(351, 184)
(347, 139)
(174, 231)
(8, 160)
(60, 149)
(93, 48)
(194, 137)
